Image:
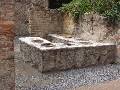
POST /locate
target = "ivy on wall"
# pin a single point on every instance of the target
(107, 8)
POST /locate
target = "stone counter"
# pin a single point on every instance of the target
(62, 56)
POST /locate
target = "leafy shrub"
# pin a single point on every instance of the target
(107, 8)
(77, 7)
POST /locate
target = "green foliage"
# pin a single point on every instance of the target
(113, 14)
(77, 7)
(108, 8)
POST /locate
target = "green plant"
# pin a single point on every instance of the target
(114, 13)
(107, 8)
(77, 8)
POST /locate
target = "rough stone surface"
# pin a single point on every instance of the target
(92, 27)
(61, 56)
(22, 17)
(118, 55)
(7, 10)
(33, 17)
(40, 3)
(7, 65)
(44, 21)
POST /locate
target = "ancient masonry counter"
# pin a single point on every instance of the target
(65, 53)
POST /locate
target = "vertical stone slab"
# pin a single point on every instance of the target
(68, 24)
(21, 17)
(118, 55)
(7, 71)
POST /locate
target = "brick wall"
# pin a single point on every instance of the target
(7, 70)
(33, 17)
(6, 9)
(45, 21)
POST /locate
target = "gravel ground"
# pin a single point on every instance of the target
(28, 78)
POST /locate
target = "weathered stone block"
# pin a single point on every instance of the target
(47, 56)
(118, 55)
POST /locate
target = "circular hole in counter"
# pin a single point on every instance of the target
(38, 41)
(69, 44)
(47, 45)
(79, 39)
(85, 42)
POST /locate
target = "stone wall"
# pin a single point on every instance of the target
(6, 9)
(33, 17)
(92, 27)
(43, 22)
(40, 3)
(21, 17)
(7, 71)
